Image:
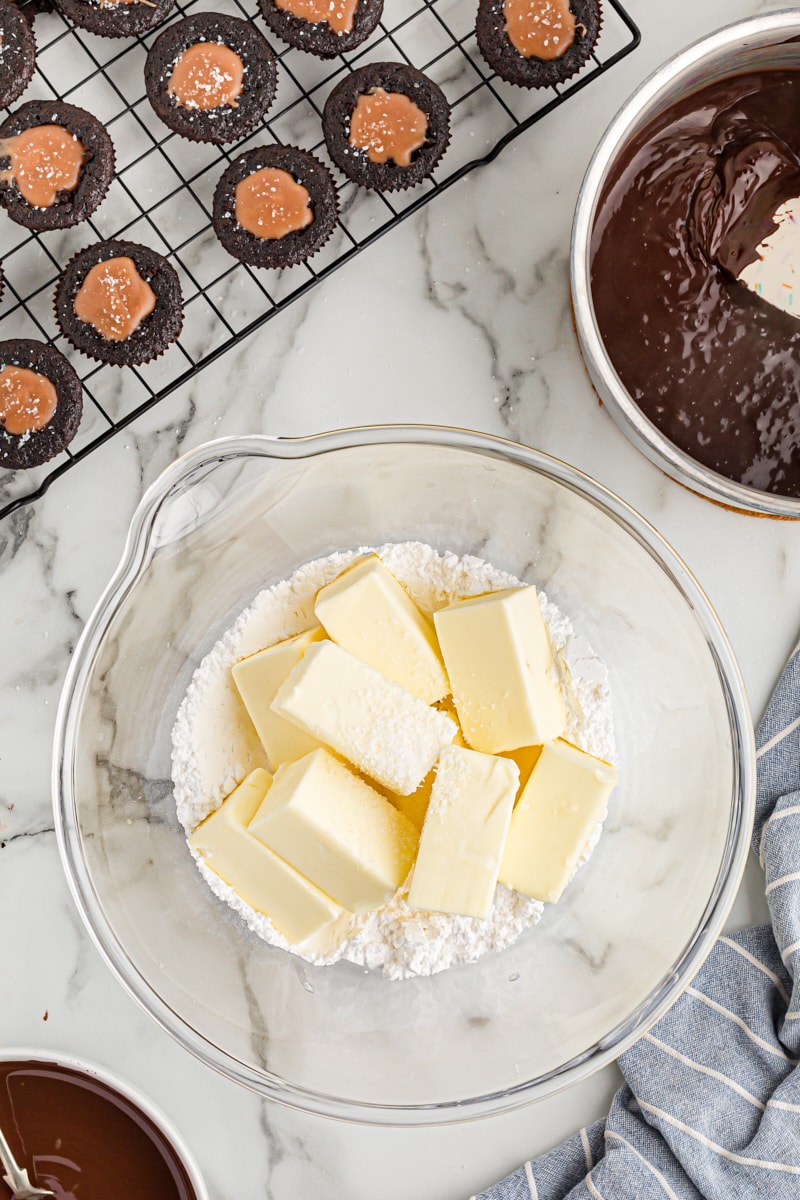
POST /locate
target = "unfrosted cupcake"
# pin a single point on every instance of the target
(275, 206)
(119, 302)
(537, 43)
(41, 400)
(58, 162)
(386, 126)
(211, 77)
(17, 52)
(322, 27)
(116, 18)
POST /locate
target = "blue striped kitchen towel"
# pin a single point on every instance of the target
(710, 1109)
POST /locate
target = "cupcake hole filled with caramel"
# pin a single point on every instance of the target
(388, 126)
(114, 299)
(44, 160)
(206, 76)
(542, 29)
(28, 400)
(270, 203)
(339, 15)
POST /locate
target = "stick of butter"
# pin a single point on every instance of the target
(379, 726)
(367, 612)
(497, 654)
(263, 880)
(464, 833)
(337, 830)
(257, 679)
(564, 798)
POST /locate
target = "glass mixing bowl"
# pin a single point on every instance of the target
(633, 927)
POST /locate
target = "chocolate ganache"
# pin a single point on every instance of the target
(84, 1140)
(687, 202)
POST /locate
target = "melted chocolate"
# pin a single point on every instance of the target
(713, 366)
(81, 1139)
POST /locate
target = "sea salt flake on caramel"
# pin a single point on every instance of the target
(28, 400)
(338, 14)
(539, 28)
(114, 299)
(207, 75)
(43, 161)
(271, 203)
(388, 125)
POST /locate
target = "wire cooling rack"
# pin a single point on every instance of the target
(162, 192)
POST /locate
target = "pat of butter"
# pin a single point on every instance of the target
(257, 679)
(337, 830)
(464, 833)
(367, 612)
(379, 726)
(560, 805)
(497, 654)
(263, 880)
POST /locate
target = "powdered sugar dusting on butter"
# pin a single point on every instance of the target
(215, 746)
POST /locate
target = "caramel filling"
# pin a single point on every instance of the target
(44, 160)
(539, 28)
(387, 125)
(114, 299)
(207, 75)
(27, 400)
(271, 203)
(338, 14)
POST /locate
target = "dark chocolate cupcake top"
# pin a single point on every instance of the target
(17, 52)
(386, 125)
(275, 206)
(537, 43)
(57, 162)
(116, 18)
(211, 77)
(119, 302)
(40, 403)
(322, 27)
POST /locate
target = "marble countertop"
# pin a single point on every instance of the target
(461, 316)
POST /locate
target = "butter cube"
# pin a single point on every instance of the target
(337, 830)
(498, 657)
(257, 679)
(263, 880)
(560, 805)
(367, 612)
(464, 833)
(379, 726)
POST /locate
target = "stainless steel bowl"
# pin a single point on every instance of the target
(751, 45)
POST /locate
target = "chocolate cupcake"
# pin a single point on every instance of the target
(119, 302)
(41, 401)
(275, 206)
(537, 43)
(211, 78)
(322, 27)
(59, 161)
(116, 18)
(386, 126)
(18, 52)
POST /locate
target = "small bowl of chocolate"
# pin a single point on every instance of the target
(685, 266)
(80, 1131)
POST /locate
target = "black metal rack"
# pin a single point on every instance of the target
(162, 191)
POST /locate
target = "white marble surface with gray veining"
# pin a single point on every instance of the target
(461, 316)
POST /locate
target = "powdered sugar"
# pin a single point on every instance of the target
(214, 747)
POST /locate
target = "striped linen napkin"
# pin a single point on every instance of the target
(710, 1109)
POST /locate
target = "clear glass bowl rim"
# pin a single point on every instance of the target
(197, 462)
